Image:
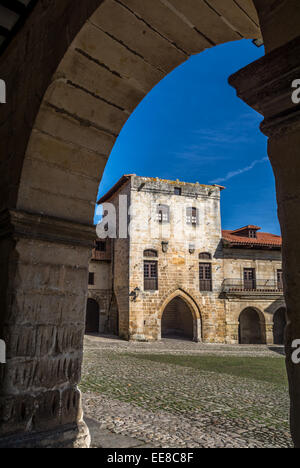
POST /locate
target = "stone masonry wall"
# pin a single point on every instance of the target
(266, 263)
(178, 269)
(215, 315)
(120, 265)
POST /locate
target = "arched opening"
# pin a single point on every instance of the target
(92, 320)
(79, 120)
(251, 327)
(177, 320)
(279, 326)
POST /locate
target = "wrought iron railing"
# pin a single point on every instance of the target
(258, 285)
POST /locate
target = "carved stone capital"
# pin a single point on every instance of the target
(266, 85)
(23, 225)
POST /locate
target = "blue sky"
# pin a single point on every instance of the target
(192, 127)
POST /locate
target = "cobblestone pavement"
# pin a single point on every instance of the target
(167, 405)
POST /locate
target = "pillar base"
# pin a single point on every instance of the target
(70, 436)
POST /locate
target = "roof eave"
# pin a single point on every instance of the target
(124, 179)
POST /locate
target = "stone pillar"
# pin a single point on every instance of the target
(269, 333)
(43, 293)
(232, 333)
(266, 85)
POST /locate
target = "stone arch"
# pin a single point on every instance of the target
(192, 306)
(105, 73)
(177, 320)
(88, 78)
(92, 320)
(252, 326)
(279, 324)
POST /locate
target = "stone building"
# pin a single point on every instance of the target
(177, 273)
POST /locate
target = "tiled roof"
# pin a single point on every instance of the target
(115, 188)
(247, 228)
(263, 239)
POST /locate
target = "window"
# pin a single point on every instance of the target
(205, 272)
(252, 234)
(100, 246)
(192, 216)
(177, 191)
(163, 214)
(150, 276)
(91, 279)
(280, 280)
(205, 256)
(150, 253)
(249, 279)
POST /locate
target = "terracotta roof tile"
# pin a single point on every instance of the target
(264, 239)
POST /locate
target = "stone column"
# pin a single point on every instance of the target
(269, 333)
(266, 85)
(43, 293)
(232, 333)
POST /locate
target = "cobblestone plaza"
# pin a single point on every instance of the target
(140, 399)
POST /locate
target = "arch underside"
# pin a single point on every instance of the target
(180, 316)
(252, 327)
(177, 320)
(80, 97)
(104, 74)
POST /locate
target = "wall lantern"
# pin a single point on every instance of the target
(165, 246)
(135, 294)
(192, 249)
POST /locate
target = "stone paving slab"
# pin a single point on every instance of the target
(102, 438)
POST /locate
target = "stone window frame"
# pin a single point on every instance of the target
(205, 256)
(150, 253)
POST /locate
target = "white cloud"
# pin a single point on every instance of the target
(238, 172)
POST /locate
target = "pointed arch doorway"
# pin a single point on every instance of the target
(180, 318)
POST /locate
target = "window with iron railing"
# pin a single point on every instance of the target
(237, 285)
(100, 246)
(150, 275)
(280, 280)
(91, 279)
(205, 276)
(192, 217)
(249, 279)
(252, 234)
(163, 214)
